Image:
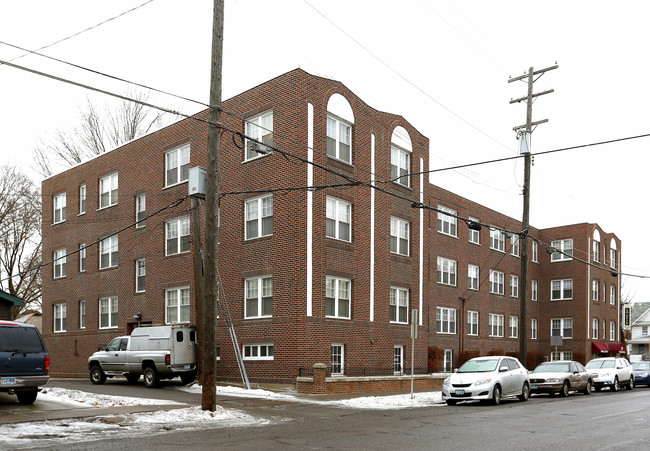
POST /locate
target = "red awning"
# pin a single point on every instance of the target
(599, 347)
(616, 348)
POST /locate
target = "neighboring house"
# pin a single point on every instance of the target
(639, 342)
(315, 267)
(32, 317)
(7, 303)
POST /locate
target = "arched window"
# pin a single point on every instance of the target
(340, 119)
(612, 254)
(400, 156)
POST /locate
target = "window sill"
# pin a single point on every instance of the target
(57, 223)
(258, 238)
(107, 207)
(175, 184)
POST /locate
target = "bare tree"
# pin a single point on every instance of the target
(101, 129)
(20, 237)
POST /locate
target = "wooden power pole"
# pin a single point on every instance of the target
(211, 280)
(523, 133)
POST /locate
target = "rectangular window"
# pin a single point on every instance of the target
(562, 327)
(474, 235)
(473, 277)
(82, 257)
(177, 236)
(399, 305)
(561, 290)
(534, 251)
(140, 275)
(59, 318)
(337, 363)
(612, 295)
(447, 223)
(594, 329)
(447, 363)
(108, 252)
(259, 297)
(59, 206)
(177, 165)
(594, 290)
(514, 327)
(108, 313)
(339, 139)
(446, 271)
(497, 282)
(596, 251)
(561, 355)
(563, 250)
(82, 199)
(472, 322)
(262, 351)
(82, 314)
(108, 191)
(514, 245)
(533, 329)
(337, 297)
(445, 320)
(496, 325)
(497, 240)
(59, 258)
(338, 219)
(399, 236)
(259, 217)
(533, 290)
(260, 128)
(644, 330)
(612, 331)
(400, 165)
(140, 210)
(514, 286)
(612, 258)
(398, 360)
(177, 305)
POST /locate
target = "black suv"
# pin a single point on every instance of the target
(24, 361)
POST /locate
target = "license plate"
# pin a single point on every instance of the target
(460, 392)
(187, 367)
(534, 386)
(8, 381)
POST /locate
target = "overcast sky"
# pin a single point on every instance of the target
(442, 64)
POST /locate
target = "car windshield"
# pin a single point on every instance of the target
(641, 366)
(600, 364)
(479, 366)
(552, 368)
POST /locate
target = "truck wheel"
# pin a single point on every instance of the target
(132, 377)
(97, 376)
(26, 397)
(188, 378)
(150, 377)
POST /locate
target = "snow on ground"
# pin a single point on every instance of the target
(76, 397)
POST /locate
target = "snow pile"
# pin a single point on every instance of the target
(76, 397)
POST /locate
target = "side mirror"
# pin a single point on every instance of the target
(455, 370)
(503, 369)
(103, 348)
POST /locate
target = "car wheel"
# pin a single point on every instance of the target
(525, 392)
(630, 385)
(132, 377)
(26, 397)
(587, 390)
(615, 386)
(451, 402)
(150, 377)
(564, 392)
(496, 395)
(97, 376)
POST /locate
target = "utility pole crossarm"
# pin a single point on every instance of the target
(532, 124)
(540, 71)
(522, 99)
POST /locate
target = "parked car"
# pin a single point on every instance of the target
(560, 377)
(487, 378)
(154, 352)
(24, 361)
(641, 373)
(611, 372)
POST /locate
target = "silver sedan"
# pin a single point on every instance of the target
(560, 377)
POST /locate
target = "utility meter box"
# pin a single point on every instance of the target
(197, 182)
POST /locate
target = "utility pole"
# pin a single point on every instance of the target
(524, 137)
(211, 280)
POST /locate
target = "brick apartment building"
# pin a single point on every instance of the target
(315, 267)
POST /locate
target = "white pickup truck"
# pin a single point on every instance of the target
(155, 352)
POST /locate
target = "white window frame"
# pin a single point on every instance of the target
(140, 275)
(177, 161)
(447, 360)
(258, 351)
(398, 228)
(181, 307)
(140, 210)
(612, 295)
(179, 228)
(496, 325)
(474, 235)
(447, 221)
(109, 186)
(594, 290)
(337, 359)
(445, 320)
(60, 318)
(561, 355)
(514, 286)
(59, 202)
(473, 277)
(612, 258)
(260, 128)
(497, 240)
(335, 134)
(59, 259)
(594, 328)
(258, 211)
(258, 290)
(563, 289)
(514, 245)
(109, 246)
(338, 214)
(112, 311)
(400, 165)
(534, 251)
(533, 329)
(472, 322)
(596, 251)
(534, 290)
(564, 250)
(399, 305)
(447, 273)
(513, 324)
(83, 195)
(497, 282)
(82, 314)
(82, 257)
(398, 360)
(612, 330)
(335, 289)
(644, 331)
(563, 322)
